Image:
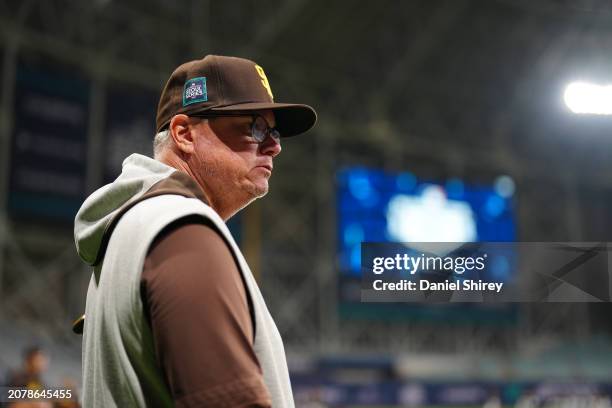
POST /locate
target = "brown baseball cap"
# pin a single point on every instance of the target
(228, 84)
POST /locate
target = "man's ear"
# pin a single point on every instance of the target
(181, 133)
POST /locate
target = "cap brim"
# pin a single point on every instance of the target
(291, 119)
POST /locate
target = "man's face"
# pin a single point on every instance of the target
(37, 363)
(230, 161)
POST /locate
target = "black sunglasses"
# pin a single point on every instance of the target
(259, 127)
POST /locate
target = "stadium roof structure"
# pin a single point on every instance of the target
(448, 88)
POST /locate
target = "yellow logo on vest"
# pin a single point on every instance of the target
(264, 80)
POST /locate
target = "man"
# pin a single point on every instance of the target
(30, 376)
(174, 315)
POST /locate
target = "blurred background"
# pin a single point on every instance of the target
(446, 120)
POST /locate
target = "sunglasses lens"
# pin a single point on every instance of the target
(275, 135)
(259, 129)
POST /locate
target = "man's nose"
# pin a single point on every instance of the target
(270, 147)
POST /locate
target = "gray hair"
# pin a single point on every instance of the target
(162, 139)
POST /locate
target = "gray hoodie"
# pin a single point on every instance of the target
(113, 231)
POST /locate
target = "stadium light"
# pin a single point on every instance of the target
(588, 98)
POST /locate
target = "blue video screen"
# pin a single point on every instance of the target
(375, 206)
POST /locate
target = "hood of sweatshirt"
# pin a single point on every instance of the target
(141, 178)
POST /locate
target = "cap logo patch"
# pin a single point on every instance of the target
(195, 91)
(264, 80)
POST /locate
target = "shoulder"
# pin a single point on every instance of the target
(190, 258)
(193, 234)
